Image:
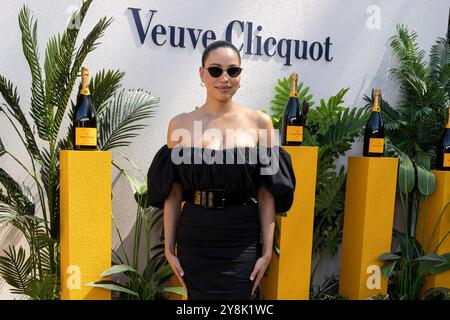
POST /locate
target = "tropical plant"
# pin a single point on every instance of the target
(413, 259)
(328, 290)
(413, 130)
(151, 283)
(36, 272)
(417, 123)
(333, 128)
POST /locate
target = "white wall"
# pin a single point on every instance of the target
(361, 58)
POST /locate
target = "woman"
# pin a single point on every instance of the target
(219, 243)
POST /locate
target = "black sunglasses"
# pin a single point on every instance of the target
(216, 72)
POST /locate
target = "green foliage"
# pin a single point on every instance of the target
(328, 290)
(150, 284)
(35, 273)
(279, 103)
(418, 122)
(413, 131)
(118, 119)
(332, 127)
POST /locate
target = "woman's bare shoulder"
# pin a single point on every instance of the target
(180, 120)
(261, 119)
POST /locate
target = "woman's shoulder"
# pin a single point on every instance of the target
(178, 122)
(262, 119)
(180, 119)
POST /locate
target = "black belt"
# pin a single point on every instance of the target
(217, 199)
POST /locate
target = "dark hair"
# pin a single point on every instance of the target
(216, 45)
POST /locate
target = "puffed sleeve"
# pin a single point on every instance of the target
(277, 174)
(161, 174)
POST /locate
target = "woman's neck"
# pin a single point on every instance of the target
(215, 107)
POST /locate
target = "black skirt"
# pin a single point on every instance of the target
(218, 250)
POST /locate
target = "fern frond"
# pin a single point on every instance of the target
(9, 93)
(119, 120)
(12, 194)
(439, 58)
(41, 114)
(103, 86)
(15, 268)
(60, 55)
(89, 44)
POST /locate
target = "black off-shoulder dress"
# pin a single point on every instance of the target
(218, 249)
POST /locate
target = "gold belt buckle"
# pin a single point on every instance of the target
(209, 197)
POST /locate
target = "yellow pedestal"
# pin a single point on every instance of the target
(85, 191)
(430, 210)
(288, 275)
(368, 220)
(174, 282)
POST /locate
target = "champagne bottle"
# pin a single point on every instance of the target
(374, 132)
(84, 123)
(293, 119)
(444, 147)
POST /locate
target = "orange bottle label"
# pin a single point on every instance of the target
(85, 92)
(86, 136)
(447, 160)
(376, 145)
(294, 133)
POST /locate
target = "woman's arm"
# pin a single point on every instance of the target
(172, 212)
(266, 206)
(266, 202)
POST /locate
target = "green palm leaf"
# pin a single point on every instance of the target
(119, 120)
(12, 194)
(102, 87)
(7, 213)
(15, 269)
(60, 77)
(410, 70)
(439, 59)
(391, 117)
(2, 148)
(9, 93)
(89, 44)
(41, 114)
(45, 288)
(50, 180)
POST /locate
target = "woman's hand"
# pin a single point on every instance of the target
(258, 271)
(176, 267)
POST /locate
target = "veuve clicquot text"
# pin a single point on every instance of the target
(374, 132)
(293, 119)
(443, 161)
(84, 121)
